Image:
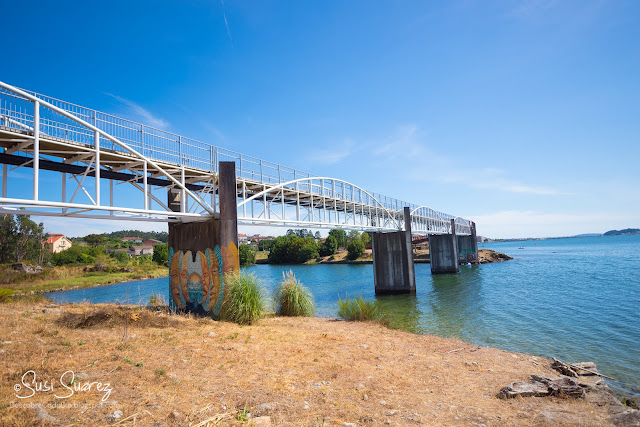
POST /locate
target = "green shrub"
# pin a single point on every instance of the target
(244, 298)
(247, 255)
(5, 295)
(293, 249)
(121, 256)
(161, 254)
(359, 309)
(292, 298)
(329, 246)
(355, 248)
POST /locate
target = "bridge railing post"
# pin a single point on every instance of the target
(36, 148)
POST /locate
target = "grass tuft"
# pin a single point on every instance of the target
(359, 309)
(5, 295)
(292, 298)
(244, 299)
(157, 300)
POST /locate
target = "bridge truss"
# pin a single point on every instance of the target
(89, 148)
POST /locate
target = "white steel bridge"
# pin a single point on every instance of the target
(90, 148)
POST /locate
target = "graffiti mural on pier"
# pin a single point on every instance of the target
(196, 279)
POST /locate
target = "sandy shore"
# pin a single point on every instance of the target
(175, 370)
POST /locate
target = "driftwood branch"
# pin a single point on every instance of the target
(582, 369)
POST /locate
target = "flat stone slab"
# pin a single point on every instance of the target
(540, 386)
(524, 389)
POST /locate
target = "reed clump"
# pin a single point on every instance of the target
(244, 300)
(157, 300)
(292, 298)
(361, 310)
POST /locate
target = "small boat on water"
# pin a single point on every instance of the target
(520, 247)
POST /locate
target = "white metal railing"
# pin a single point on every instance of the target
(17, 111)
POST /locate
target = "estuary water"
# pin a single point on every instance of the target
(575, 299)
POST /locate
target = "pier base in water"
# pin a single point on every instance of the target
(443, 252)
(393, 271)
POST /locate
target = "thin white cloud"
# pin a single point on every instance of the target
(334, 154)
(226, 23)
(145, 115)
(404, 143)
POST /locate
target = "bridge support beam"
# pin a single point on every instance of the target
(443, 252)
(393, 271)
(201, 253)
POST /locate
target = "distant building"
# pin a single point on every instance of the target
(151, 242)
(137, 250)
(242, 238)
(57, 243)
(132, 239)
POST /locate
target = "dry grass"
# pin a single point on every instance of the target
(72, 277)
(178, 370)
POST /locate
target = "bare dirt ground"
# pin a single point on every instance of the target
(175, 370)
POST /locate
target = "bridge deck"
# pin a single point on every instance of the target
(135, 153)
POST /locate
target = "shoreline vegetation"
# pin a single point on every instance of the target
(185, 370)
(72, 277)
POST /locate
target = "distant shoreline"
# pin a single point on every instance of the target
(485, 256)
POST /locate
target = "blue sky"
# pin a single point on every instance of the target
(521, 115)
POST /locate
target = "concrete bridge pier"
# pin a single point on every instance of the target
(393, 271)
(443, 252)
(468, 247)
(201, 253)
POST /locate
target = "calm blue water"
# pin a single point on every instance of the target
(574, 299)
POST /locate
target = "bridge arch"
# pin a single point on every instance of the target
(363, 206)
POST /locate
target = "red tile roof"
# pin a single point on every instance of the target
(53, 238)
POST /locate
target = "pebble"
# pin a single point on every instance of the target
(115, 415)
(392, 413)
(364, 346)
(55, 311)
(175, 416)
(365, 397)
(267, 406)
(212, 334)
(349, 424)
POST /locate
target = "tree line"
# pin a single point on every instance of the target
(21, 240)
(299, 246)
